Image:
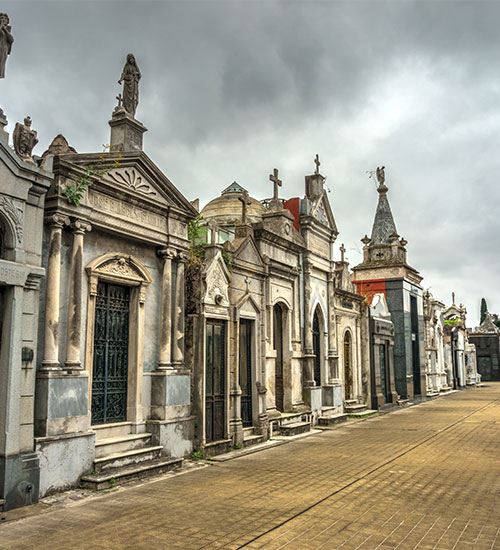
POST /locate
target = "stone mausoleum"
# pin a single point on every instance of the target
(385, 270)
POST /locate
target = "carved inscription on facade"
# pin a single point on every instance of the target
(122, 209)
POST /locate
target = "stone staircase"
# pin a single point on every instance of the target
(289, 424)
(122, 456)
(354, 409)
(251, 438)
(329, 417)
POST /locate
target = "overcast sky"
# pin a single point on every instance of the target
(231, 90)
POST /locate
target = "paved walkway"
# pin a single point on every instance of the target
(427, 477)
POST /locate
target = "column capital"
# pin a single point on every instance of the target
(57, 220)
(181, 256)
(81, 226)
(167, 253)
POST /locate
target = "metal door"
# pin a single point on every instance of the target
(110, 367)
(415, 347)
(278, 346)
(245, 371)
(347, 367)
(317, 349)
(215, 382)
(385, 377)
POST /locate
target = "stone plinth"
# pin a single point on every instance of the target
(126, 132)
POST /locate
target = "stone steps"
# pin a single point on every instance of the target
(356, 407)
(295, 428)
(363, 413)
(253, 439)
(119, 476)
(115, 429)
(331, 420)
(113, 445)
(124, 458)
(215, 448)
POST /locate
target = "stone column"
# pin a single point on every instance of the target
(166, 310)
(308, 343)
(73, 338)
(178, 313)
(332, 375)
(51, 330)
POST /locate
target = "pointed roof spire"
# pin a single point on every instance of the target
(384, 227)
(235, 187)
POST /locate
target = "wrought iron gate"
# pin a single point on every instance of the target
(110, 368)
(245, 378)
(278, 346)
(215, 382)
(348, 390)
(317, 349)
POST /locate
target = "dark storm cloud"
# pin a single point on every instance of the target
(232, 89)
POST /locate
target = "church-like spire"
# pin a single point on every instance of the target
(384, 228)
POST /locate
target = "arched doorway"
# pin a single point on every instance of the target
(317, 348)
(348, 366)
(278, 330)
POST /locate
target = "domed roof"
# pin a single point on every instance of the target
(226, 209)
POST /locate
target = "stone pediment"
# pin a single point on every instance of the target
(277, 226)
(247, 252)
(322, 211)
(488, 326)
(217, 282)
(135, 173)
(343, 277)
(133, 179)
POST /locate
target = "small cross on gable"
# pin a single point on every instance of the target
(342, 253)
(245, 201)
(317, 163)
(213, 232)
(277, 183)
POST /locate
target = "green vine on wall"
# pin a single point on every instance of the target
(75, 191)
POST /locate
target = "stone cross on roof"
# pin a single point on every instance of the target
(213, 232)
(317, 163)
(342, 253)
(277, 183)
(245, 201)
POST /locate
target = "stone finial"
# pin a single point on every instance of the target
(130, 78)
(366, 240)
(59, 146)
(6, 41)
(24, 139)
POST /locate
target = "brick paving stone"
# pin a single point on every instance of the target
(426, 478)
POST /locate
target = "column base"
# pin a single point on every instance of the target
(49, 366)
(73, 367)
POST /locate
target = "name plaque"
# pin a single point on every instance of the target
(122, 209)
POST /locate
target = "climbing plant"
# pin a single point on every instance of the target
(75, 190)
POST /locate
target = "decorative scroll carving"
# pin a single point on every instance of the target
(15, 215)
(217, 287)
(119, 267)
(131, 179)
